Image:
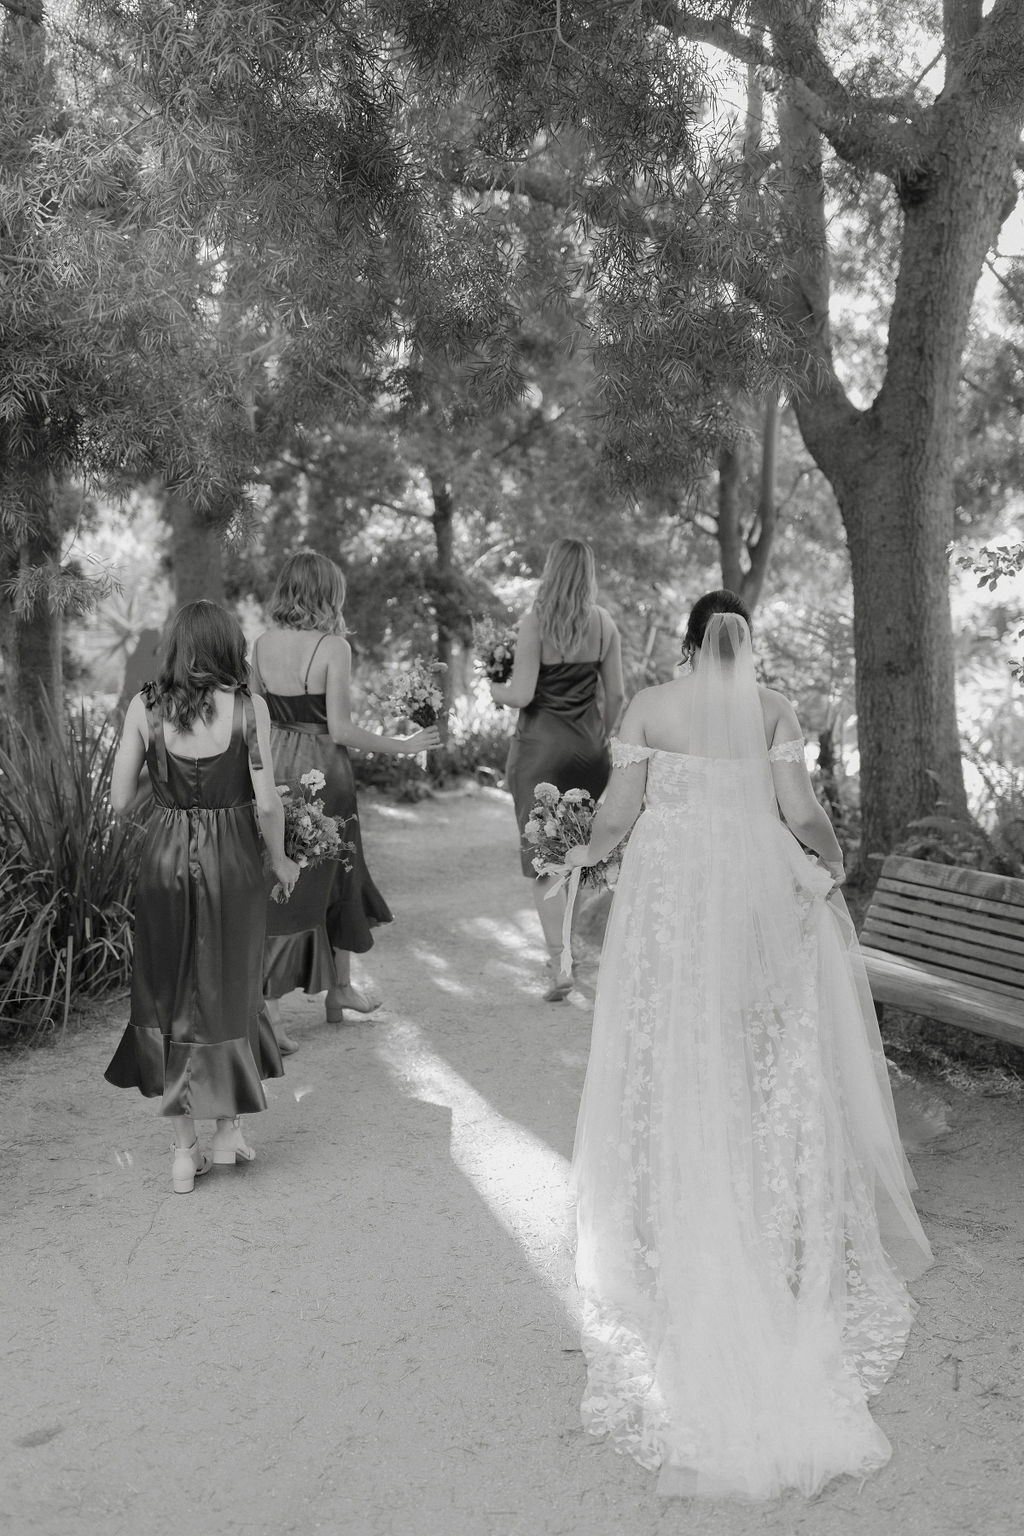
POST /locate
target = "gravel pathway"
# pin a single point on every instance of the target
(369, 1331)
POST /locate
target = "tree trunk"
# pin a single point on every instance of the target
(761, 537)
(30, 638)
(891, 466)
(744, 553)
(443, 520)
(30, 632)
(197, 552)
(730, 514)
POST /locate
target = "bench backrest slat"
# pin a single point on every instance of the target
(1003, 890)
(971, 910)
(957, 922)
(965, 963)
(939, 926)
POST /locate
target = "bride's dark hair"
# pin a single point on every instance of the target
(719, 601)
(204, 650)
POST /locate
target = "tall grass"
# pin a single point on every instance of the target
(67, 868)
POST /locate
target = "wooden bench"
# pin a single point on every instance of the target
(948, 943)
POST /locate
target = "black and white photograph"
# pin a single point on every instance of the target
(512, 767)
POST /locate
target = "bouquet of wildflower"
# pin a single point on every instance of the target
(310, 836)
(414, 693)
(558, 822)
(495, 649)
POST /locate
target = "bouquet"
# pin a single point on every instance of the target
(558, 822)
(495, 648)
(310, 836)
(414, 694)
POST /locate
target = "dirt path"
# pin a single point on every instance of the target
(369, 1331)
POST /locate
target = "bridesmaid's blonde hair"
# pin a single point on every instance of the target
(566, 595)
(309, 594)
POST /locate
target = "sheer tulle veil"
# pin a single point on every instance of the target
(727, 727)
(745, 1225)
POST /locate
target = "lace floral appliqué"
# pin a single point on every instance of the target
(787, 752)
(738, 1305)
(624, 753)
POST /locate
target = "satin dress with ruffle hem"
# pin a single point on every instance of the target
(196, 1038)
(559, 739)
(331, 907)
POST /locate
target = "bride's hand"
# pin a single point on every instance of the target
(578, 857)
(836, 869)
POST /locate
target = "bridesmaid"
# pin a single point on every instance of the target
(302, 667)
(195, 1037)
(567, 685)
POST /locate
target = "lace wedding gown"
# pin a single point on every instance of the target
(744, 1218)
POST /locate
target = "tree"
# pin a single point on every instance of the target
(948, 157)
(111, 366)
(368, 156)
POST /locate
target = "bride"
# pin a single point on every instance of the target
(745, 1227)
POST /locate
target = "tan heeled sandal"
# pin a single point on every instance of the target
(230, 1145)
(189, 1164)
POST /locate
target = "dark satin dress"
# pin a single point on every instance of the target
(559, 739)
(195, 1036)
(330, 907)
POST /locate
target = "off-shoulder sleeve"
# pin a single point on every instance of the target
(787, 752)
(625, 752)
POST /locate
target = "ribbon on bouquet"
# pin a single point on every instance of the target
(568, 880)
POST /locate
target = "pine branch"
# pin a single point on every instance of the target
(991, 63)
(512, 177)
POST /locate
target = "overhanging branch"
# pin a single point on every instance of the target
(29, 10)
(887, 134)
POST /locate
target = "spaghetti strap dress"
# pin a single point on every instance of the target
(559, 739)
(196, 1038)
(331, 907)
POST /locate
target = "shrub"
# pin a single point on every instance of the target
(67, 869)
(476, 747)
(944, 839)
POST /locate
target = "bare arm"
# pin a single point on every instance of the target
(611, 678)
(623, 798)
(130, 760)
(801, 811)
(339, 711)
(522, 685)
(268, 801)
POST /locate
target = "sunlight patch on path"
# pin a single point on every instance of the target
(521, 941)
(440, 969)
(522, 1180)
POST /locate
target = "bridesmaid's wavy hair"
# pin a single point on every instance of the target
(566, 595)
(309, 594)
(204, 651)
(719, 601)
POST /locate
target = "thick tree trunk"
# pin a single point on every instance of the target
(196, 552)
(891, 466)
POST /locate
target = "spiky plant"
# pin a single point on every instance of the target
(67, 868)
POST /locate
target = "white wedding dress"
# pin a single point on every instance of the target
(745, 1225)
